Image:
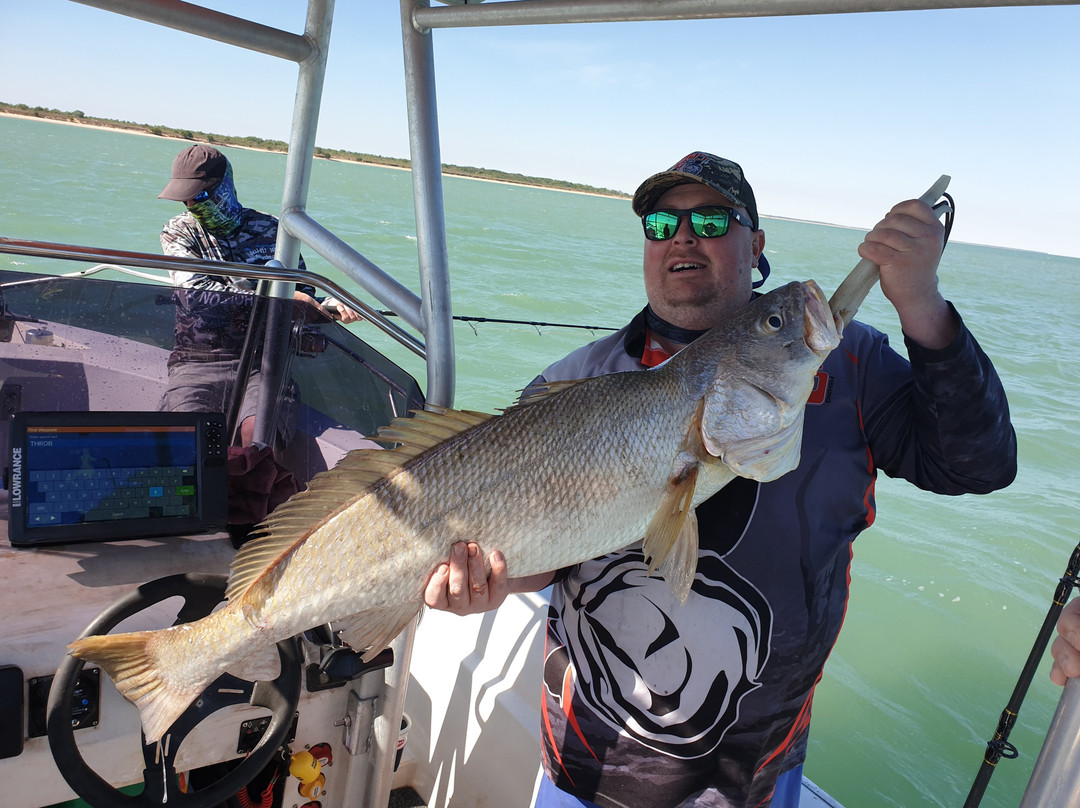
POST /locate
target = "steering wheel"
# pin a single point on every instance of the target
(201, 593)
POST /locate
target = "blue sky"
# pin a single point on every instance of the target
(833, 117)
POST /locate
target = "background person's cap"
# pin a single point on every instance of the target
(708, 169)
(195, 169)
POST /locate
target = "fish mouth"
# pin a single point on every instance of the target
(822, 330)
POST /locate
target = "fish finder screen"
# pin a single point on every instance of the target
(84, 481)
(87, 474)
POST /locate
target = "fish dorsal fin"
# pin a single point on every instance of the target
(428, 428)
(538, 392)
(671, 540)
(332, 491)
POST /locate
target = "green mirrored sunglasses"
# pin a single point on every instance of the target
(710, 221)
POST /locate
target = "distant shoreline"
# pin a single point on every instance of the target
(130, 131)
(55, 116)
(105, 128)
(134, 131)
(220, 140)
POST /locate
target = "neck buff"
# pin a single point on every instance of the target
(657, 325)
(220, 214)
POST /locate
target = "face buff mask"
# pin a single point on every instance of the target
(220, 213)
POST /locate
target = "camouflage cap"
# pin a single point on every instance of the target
(708, 169)
(196, 169)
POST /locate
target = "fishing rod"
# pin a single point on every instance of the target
(999, 747)
(844, 302)
(533, 323)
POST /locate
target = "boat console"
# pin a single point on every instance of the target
(121, 514)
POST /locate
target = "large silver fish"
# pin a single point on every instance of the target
(571, 473)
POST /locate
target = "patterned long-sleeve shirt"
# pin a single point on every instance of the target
(212, 311)
(649, 703)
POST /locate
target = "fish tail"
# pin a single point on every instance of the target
(129, 661)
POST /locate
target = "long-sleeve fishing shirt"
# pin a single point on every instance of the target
(649, 703)
(212, 311)
(251, 243)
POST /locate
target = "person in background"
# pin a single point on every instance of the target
(649, 703)
(213, 310)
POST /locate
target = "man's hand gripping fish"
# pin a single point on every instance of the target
(571, 473)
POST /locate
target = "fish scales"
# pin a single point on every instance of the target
(570, 474)
(440, 499)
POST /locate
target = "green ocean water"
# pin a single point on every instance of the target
(947, 593)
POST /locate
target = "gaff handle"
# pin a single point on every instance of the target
(856, 286)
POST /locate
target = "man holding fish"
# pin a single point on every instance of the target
(650, 701)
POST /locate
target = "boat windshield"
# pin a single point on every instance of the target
(83, 344)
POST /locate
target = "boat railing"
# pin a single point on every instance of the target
(460, 14)
(124, 261)
(95, 270)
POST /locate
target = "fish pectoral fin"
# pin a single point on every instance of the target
(671, 540)
(370, 632)
(680, 566)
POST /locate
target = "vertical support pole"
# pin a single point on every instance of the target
(305, 122)
(1055, 780)
(428, 201)
(438, 335)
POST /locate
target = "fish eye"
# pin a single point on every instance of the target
(773, 322)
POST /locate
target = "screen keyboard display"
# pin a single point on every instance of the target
(86, 480)
(70, 496)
